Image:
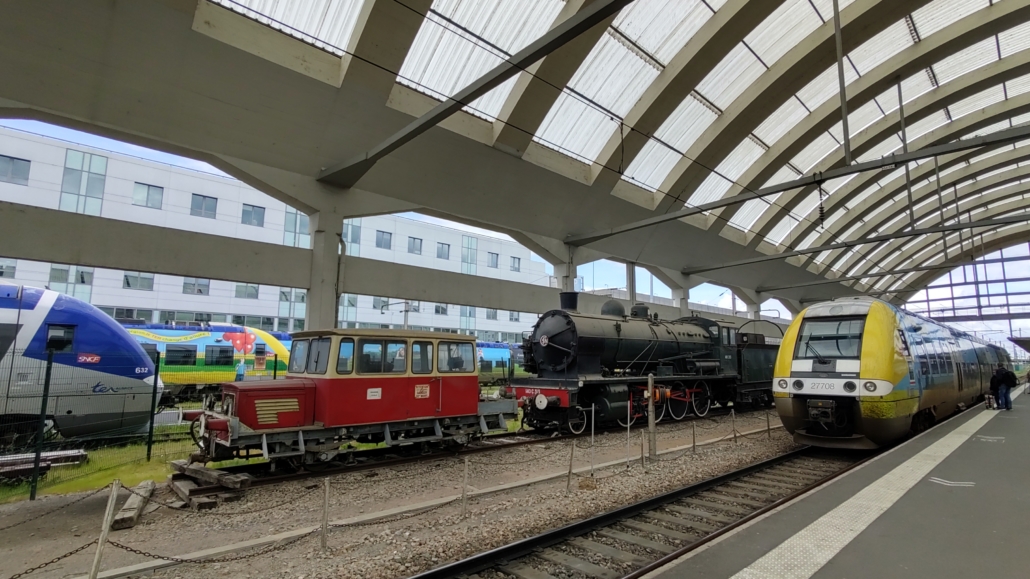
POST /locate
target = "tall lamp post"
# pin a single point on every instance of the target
(407, 308)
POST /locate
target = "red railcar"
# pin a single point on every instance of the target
(345, 386)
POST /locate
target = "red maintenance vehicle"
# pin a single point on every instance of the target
(345, 386)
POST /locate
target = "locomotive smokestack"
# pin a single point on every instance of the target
(569, 301)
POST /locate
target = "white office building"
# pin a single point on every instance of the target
(55, 174)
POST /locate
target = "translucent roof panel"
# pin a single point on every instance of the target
(663, 27)
(825, 86)
(940, 14)
(1018, 86)
(977, 101)
(327, 24)
(731, 77)
(653, 164)
(613, 77)
(737, 162)
(1014, 39)
(823, 145)
(885, 147)
(881, 47)
(858, 119)
(780, 122)
(783, 29)
(911, 87)
(749, 212)
(461, 40)
(925, 125)
(976, 56)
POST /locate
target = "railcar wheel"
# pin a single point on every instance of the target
(659, 412)
(701, 399)
(622, 422)
(678, 407)
(576, 420)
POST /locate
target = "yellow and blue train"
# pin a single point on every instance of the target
(862, 373)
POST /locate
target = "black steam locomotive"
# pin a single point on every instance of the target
(603, 361)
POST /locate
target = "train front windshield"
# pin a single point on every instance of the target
(825, 338)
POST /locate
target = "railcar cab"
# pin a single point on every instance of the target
(375, 376)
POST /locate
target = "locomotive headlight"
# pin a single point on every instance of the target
(782, 384)
(798, 384)
(869, 386)
(850, 386)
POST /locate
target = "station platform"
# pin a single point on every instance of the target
(953, 502)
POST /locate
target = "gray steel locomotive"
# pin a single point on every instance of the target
(601, 362)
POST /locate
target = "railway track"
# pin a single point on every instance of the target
(631, 541)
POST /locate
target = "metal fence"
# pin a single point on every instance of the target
(72, 421)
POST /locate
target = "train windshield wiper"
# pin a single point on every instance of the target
(819, 358)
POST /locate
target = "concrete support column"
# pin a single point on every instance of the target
(754, 311)
(326, 270)
(631, 282)
(566, 272)
(682, 298)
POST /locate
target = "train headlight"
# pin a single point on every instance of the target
(782, 384)
(869, 386)
(798, 384)
(850, 386)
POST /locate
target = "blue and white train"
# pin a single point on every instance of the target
(102, 380)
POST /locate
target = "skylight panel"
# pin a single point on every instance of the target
(680, 130)
(883, 148)
(778, 235)
(825, 86)
(1016, 87)
(737, 71)
(809, 240)
(662, 27)
(858, 119)
(650, 167)
(461, 40)
(782, 30)
(994, 128)
(940, 14)
(976, 56)
(820, 147)
(1014, 39)
(925, 125)
(780, 122)
(881, 47)
(977, 101)
(807, 205)
(714, 187)
(327, 24)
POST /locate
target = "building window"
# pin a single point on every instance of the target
(72, 280)
(203, 206)
(443, 250)
(292, 303)
(513, 316)
(196, 286)
(380, 303)
(384, 240)
(352, 236)
(14, 170)
(296, 228)
(516, 264)
(348, 313)
(165, 317)
(415, 245)
(247, 291)
(440, 310)
(147, 195)
(469, 245)
(253, 215)
(259, 322)
(468, 311)
(491, 314)
(82, 188)
(138, 281)
(492, 259)
(414, 306)
(145, 316)
(8, 267)
(468, 318)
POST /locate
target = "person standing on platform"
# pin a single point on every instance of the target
(995, 383)
(241, 370)
(1006, 382)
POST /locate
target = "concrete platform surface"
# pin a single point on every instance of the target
(951, 503)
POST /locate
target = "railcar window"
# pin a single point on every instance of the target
(178, 355)
(318, 355)
(218, 356)
(60, 338)
(456, 357)
(830, 338)
(421, 357)
(299, 356)
(396, 357)
(345, 359)
(379, 357)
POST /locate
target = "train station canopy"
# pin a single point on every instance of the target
(665, 105)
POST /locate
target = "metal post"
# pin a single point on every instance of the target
(733, 424)
(275, 367)
(768, 425)
(407, 308)
(940, 205)
(693, 437)
(629, 414)
(40, 428)
(592, 407)
(572, 458)
(108, 517)
(153, 406)
(465, 486)
(904, 149)
(643, 464)
(840, 81)
(325, 517)
(652, 435)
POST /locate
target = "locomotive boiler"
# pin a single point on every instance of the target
(598, 365)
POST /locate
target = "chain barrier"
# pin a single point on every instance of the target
(54, 510)
(54, 560)
(223, 513)
(395, 518)
(508, 463)
(279, 546)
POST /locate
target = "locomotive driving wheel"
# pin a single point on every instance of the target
(576, 420)
(701, 398)
(678, 402)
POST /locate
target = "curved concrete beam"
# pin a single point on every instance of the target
(382, 37)
(727, 28)
(912, 60)
(860, 21)
(534, 92)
